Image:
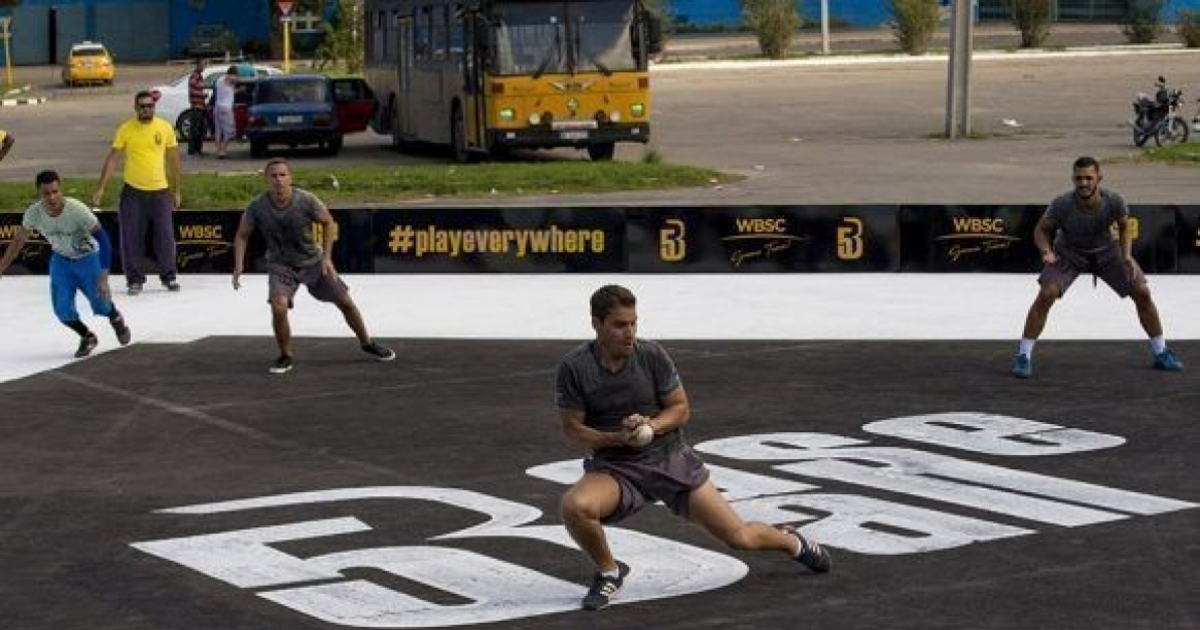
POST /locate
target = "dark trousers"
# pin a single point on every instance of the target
(197, 130)
(143, 211)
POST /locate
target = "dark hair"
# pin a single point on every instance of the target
(45, 177)
(1087, 161)
(274, 161)
(141, 95)
(609, 297)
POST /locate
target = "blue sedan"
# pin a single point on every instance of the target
(307, 109)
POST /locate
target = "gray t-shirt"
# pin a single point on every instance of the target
(288, 231)
(606, 398)
(69, 233)
(1086, 230)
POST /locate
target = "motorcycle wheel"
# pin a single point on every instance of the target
(1139, 138)
(1174, 132)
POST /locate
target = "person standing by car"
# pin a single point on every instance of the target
(198, 127)
(224, 91)
(147, 198)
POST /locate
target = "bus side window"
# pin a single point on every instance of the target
(421, 34)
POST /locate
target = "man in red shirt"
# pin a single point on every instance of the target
(199, 119)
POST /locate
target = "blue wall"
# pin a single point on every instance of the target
(134, 30)
(858, 13)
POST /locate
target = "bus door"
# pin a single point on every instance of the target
(406, 110)
(432, 113)
(474, 94)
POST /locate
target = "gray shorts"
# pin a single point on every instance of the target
(1106, 264)
(285, 280)
(669, 480)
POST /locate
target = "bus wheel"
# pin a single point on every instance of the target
(389, 116)
(458, 136)
(258, 148)
(602, 151)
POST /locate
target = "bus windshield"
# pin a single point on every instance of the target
(536, 38)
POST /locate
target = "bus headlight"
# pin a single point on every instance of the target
(638, 110)
(535, 119)
(615, 116)
(508, 114)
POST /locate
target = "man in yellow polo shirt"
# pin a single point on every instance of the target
(148, 198)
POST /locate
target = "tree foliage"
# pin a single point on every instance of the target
(774, 22)
(344, 38)
(914, 22)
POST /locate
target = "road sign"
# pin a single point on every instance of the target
(285, 7)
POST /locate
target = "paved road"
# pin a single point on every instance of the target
(841, 130)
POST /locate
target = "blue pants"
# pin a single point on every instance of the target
(80, 274)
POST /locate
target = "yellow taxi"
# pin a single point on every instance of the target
(88, 62)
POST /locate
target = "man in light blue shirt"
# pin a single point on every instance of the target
(81, 257)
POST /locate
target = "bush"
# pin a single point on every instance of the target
(1187, 26)
(774, 22)
(914, 23)
(1032, 19)
(1144, 21)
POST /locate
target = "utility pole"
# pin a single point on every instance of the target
(958, 88)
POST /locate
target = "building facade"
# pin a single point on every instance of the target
(144, 30)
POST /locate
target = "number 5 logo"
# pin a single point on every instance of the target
(494, 589)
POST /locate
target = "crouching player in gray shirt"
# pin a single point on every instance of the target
(606, 389)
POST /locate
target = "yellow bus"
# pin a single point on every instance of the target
(486, 76)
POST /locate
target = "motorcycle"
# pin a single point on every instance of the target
(1158, 117)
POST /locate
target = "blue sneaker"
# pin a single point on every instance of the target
(1167, 361)
(1022, 366)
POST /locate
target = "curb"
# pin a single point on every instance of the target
(941, 56)
(34, 100)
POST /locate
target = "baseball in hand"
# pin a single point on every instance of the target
(642, 435)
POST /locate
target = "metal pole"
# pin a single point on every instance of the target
(7, 55)
(287, 44)
(824, 27)
(958, 84)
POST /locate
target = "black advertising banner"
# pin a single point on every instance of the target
(969, 238)
(762, 239)
(1000, 238)
(34, 257)
(513, 240)
(204, 241)
(735, 239)
(352, 250)
(1187, 239)
(1153, 229)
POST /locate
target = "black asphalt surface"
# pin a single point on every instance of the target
(93, 453)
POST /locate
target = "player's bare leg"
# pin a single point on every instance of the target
(708, 508)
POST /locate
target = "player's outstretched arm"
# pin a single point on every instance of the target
(14, 247)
